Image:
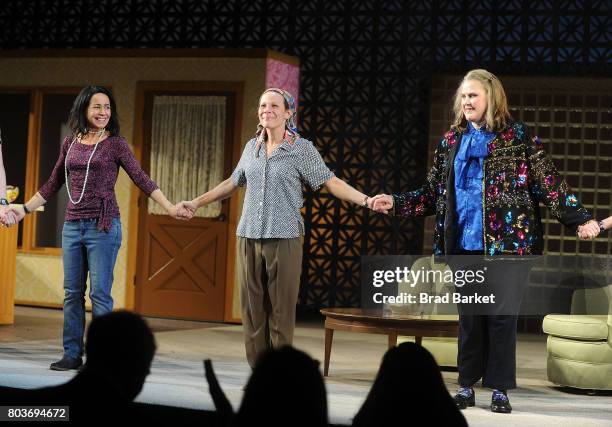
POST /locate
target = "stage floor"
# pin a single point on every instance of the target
(34, 341)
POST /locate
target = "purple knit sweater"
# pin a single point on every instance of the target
(99, 200)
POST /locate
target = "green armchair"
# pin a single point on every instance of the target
(579, 345)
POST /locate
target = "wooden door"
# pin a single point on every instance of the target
(181, 266)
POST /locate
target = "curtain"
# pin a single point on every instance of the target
(187, 141)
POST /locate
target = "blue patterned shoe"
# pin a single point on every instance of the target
(500, 402)
(465, 397)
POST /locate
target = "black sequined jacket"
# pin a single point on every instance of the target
(518, 175)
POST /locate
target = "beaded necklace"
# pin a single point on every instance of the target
(86, 170)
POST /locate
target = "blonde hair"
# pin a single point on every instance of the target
(497, 114)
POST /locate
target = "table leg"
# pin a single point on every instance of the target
(392, 339)
(418, 340)
(329, 336)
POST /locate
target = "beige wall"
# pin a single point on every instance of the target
(39, 278)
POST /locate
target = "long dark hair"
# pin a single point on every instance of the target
(408, 378)
(77, 119)
(291, 379)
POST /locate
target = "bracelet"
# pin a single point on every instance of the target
(601, 226)
(4, 202)
(365, 202)
(25, 209)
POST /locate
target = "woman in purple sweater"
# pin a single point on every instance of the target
(88, 164)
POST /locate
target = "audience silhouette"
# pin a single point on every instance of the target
(408, 383)
(286, 388)
(120, 348)
(224, 408)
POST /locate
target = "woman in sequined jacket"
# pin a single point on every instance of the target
(518, 175)
(488, 177)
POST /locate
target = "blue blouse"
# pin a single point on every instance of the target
(469, 168)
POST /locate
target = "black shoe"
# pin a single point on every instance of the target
(66, 364)
(463, 401)
(500, 403)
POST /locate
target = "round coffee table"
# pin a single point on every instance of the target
(379, 322)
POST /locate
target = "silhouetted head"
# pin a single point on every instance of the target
(408, 381)
(120, 347)
(286, 388)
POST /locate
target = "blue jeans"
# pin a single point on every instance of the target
(87, 250)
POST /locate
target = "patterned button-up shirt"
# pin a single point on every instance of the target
(273, 196)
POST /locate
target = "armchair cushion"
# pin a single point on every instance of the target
(588, 352)
(577, 327)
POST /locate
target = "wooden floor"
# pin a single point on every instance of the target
(27, 348)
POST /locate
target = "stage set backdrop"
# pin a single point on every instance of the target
(375, 80)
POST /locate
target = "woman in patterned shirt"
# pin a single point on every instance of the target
(488, 177)
(273, 167)
(88, 164)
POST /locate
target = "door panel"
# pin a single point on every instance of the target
(181, 265)
(182, 274)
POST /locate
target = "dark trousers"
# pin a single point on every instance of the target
(487, 350)
(487, 335)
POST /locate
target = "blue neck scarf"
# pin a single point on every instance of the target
(471, 154)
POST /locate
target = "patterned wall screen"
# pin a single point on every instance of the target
(574, 120)
(365, 84)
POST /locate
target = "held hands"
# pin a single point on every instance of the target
(11, 215)
(18, 212)
(588, 231)
(186, 210)
(7, 218)
(174, 212)
(381, 203)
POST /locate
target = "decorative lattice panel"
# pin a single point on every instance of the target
(365, 79)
